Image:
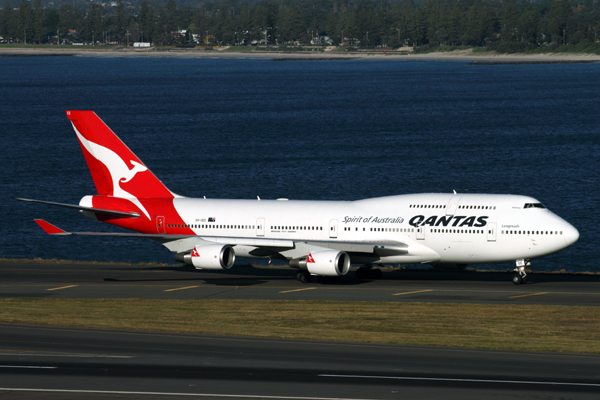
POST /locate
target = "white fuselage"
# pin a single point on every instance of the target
(433, 228)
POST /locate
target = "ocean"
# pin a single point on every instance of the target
(336, 130)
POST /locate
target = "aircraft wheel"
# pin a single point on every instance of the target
(364, 273)
(516, 279)
(304, 276)
(376, 273)
(368, 273)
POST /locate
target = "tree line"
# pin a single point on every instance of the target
(508, 25)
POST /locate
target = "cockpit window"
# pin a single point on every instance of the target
(534, 205)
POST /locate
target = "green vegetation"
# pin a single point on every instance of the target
(508, 327)
(503, 26)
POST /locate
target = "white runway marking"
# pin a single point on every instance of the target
(412, 378)
(8, 353)
(26, 366)
(242, 396)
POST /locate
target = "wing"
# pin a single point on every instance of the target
(327, 258)
(164, 238)
(191, 241)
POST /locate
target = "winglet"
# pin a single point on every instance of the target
(49, 228)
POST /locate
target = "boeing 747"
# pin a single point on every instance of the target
(319, 238)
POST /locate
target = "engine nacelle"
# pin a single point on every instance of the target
(325, 263)
(211, 256)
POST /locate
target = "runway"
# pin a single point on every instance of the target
(68, 363)
(79, 280)
(38, 362)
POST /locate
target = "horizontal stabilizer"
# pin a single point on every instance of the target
(111, 213)
(54, 230)
(49, 228)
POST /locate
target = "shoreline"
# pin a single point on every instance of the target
(458, 55)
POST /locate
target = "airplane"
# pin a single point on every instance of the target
(319, 238)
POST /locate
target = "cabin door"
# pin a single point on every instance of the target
(260, 227)
(452, 205)
(491, 232)
(333, 228)
(160, 224)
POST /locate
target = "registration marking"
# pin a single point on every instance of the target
(181, 288)
(530, 294)
(418, 378)
(62, 287)
(298, 290)
(416, 291)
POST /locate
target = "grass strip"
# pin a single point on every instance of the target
(505, 327)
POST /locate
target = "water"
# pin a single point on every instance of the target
(301, 130)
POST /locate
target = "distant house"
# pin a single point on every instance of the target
(323, 40)
(350, 42)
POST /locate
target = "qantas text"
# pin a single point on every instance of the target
(446, 220)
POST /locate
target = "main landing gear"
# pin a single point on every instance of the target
(304, 276)
(520, 277)
(368, 272)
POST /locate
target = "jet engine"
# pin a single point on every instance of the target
(211, 256)
(324, 263)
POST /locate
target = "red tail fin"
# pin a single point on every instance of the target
(115, 169)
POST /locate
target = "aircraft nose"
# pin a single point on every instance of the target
(571, 234)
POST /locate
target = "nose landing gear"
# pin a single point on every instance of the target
(520, 276)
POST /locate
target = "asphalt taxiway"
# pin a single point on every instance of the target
(81, 280)
(38, 362)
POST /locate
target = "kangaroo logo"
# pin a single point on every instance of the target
(118, 169)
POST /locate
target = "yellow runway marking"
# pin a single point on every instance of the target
(62, 287)
(416, 291)
(530, 294)
(298, 290)
(180, 288)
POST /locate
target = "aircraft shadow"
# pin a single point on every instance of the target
(247, 275)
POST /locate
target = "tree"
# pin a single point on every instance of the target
(528, 26)
(509, 22)
(121, 21)
(25, 21)
(407, 22)
(146, 21)
(289, 22)
(11, 22)
(475, 24)
(93, 28)
(456, 26)
(558, 15)
(171, 17)
(70, 18)
(39, 26)
(51, 20)
(259, 20)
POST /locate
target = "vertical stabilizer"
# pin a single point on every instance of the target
(116, 171)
